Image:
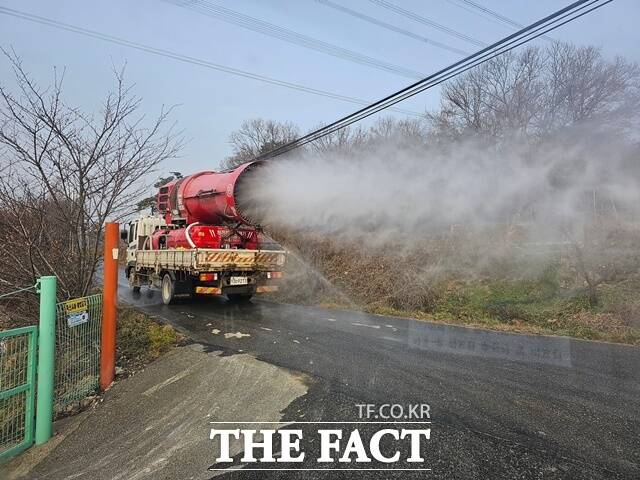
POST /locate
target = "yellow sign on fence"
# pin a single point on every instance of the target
(76, 305)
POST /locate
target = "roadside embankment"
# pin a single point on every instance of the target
(493, 279)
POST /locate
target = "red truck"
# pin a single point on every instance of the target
(201, 240)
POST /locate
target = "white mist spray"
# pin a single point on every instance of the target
(398, 191)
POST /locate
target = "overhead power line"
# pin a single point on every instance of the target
(245, 21)
(462, 6)
(531, 32)
(479, 9)
(187, 59)
(428, 22)
(492, 13)
(391, 27)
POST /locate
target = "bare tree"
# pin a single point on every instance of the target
(344, 141)
(400, 133)
(536, 92)
(66, 172)
(581, 85)
(258, 136)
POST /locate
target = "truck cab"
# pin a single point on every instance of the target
(137, 236)
(139, 231)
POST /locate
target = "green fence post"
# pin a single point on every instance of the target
(46, 359)
(29, 435)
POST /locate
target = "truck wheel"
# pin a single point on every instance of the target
(239, 297)
(129, 272)
(168, 289)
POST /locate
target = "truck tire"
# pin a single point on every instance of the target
(128, 273)
(239, 297)
(168, 289)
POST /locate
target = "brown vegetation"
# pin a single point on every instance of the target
(483, 278)
(142, 340)
(63, 173)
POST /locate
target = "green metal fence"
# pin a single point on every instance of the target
(77, 368)
(17, 389)
(59, 358)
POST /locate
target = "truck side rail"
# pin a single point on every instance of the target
(209, 259)
(169, 259)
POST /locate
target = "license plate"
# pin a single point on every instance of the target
(238, 281)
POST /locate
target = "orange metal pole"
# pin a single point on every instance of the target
(109, 305)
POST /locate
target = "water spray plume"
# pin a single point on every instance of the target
(397, 192)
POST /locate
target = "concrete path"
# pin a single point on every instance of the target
(155, 425)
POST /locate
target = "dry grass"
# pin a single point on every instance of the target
(141, 340)
(486, 279)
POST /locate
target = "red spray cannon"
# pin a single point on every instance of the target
(209, 210)
(216, 198)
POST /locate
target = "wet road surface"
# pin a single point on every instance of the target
(501, 405)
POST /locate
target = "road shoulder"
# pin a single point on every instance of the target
(156, 423)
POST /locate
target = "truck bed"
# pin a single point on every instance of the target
(209, 259)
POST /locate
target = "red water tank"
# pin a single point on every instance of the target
(206, 236)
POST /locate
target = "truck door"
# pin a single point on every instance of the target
(133, 242)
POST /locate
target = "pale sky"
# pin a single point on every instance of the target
(211, 104)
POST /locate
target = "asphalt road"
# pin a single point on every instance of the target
(501, 405)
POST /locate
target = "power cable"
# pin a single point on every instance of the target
(474, 12)
(535, 30)
(479, 9)
(187, 59)
(504, 45)
(391, 27)
(428, 22)
(494, 14)
(245, 21)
